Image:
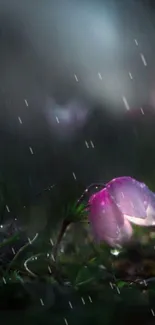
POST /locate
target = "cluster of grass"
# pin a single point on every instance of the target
(76, 281)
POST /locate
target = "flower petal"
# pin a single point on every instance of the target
(107, 220)
(134, 199)
(129, 195)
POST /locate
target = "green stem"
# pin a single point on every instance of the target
(63, 229)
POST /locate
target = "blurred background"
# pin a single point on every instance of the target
(77, 94)
(77, 106)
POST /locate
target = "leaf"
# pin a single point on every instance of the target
(69, 268)
(84, 276)
(122, 284)
(16, 277)
(10, 240)
(75, 212)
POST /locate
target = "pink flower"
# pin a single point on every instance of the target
(134, 199)
(123, 201)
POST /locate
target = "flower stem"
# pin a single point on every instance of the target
(63, 229)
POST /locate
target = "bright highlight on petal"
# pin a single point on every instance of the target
(123, 201)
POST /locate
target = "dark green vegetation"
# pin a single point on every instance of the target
(67, 279)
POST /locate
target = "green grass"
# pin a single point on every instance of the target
(87, 284)
(81, 284)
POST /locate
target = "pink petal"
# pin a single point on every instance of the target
(107, 220)
(134, 199)
(126, 232)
